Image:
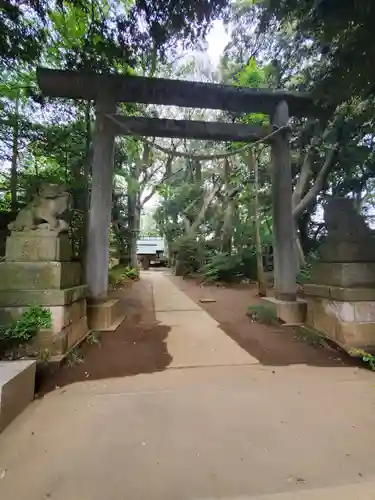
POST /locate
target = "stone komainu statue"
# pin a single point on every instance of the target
(44, 211)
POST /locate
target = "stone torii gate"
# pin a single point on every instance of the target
(109, 89)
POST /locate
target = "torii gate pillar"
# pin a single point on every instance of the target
(285, 303)
(97, 256)
(103, 313)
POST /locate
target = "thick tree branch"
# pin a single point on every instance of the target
(167, 174)
(303, 178)
(306, 170)
(309, 198)
(206, 202)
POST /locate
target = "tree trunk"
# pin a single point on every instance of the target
(226, 230)
(85, 183)
(262, 285)
(303, 225)
(14, 162)
(134, 224)
(198, 171)
(300, 255)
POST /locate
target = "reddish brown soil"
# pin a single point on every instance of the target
(271, 345)
(137, 346)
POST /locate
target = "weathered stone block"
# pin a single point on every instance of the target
(349, 238)
(316, 290)
(287, 311)
(356, 335)
(364, 312)
(339, 293)
(53, 343)
(65, 315)
(31, 246)
(347, 251)
(17, 384)
(58, 343)
(344, 274)
(321, 317)
(77, 331)
(352, 294)
(42, 297)
(105, 315)
(61, 315)
(343, 322)
(39, 275)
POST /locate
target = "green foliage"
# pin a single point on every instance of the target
(188, 255)
(100, 35)
(226, 268)
(119, 276)
(262, 314)
(93, 338)
(25, 328)
(304, 276)
(340, 37)
(21, 35)
(249, 262)
(253, 76)
(310, 336)
(75, 357)
(366, 357)
(223, 267)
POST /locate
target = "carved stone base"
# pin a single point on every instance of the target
(69, 321)
(289, 312)
(348, 324)
(60, 343)
(69, 325)
(61, 315)
(340, 293)
(344, 274)
(37, 246)
(54, 297)
(39, 275)
(105, 315)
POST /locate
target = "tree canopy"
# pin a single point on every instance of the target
(216, 211)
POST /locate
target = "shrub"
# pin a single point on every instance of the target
(304, 276)
(25, 328)
(223, 267)
(188, 255)
(366, 357)
(262, 314)
(119, 276)
(249, 261)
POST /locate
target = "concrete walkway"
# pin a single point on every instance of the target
(231, 430)
(195, 338)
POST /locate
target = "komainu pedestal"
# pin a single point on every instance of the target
(38, 270)
(341, 295)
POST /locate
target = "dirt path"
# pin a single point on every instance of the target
(206, 427)
(271, 345)
(137, 346)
